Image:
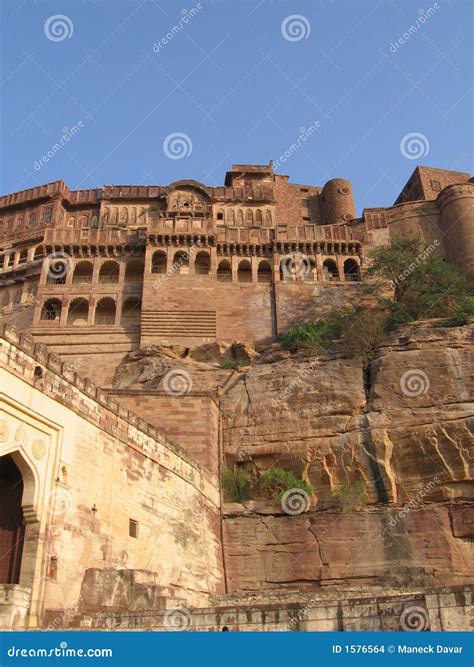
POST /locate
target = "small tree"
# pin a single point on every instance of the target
(425, 286)
(236, 484)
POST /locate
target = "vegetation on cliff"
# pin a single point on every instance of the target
(424, 287)
(239, 485)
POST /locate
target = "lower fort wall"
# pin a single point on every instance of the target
(192, 419)
(102, 488)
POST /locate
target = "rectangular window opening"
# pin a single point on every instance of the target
(133, 528)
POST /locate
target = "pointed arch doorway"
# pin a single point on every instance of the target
(12, 526)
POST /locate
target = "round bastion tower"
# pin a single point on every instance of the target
(456, 205)
(337, 202)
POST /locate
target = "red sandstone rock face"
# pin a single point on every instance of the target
(343, 549)
(407, 434)
(413, 428)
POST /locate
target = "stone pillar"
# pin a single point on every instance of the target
(340, 267)
(149, 251)
(91, 311)
(254, 262)
(319, 268)
(122, 267)
(64, 310)
(235, 259)
(276, 267)
(44, 272)
(213, 258)
(191, 252)
(96, 264)
(70, 273)
(118, 308)
(170, 250)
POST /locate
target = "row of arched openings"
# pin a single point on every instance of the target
(104, 313)
(238, 216)
(202, 266)
(108, 274)
(109, 270)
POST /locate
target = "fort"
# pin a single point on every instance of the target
(139, 358)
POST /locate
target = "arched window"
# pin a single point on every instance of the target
(224, 271)
(244, 272)
(230, 216)
(51, 309)
(23, 256)
(268, 218)
(134, 271)
(351, 270)
(258, 216)
(202, 263)
(249, 216)
(158, 262)
(78, 312)
(240, 217)
(109, 272)
(131, 311)
(264, 273)
(105, 311)
(330, 271)
(181, 262)
(82, 273)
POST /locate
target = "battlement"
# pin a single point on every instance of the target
(35, 364)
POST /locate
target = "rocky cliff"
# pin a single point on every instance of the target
(388, 451)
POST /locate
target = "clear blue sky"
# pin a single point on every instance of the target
(240, 86)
